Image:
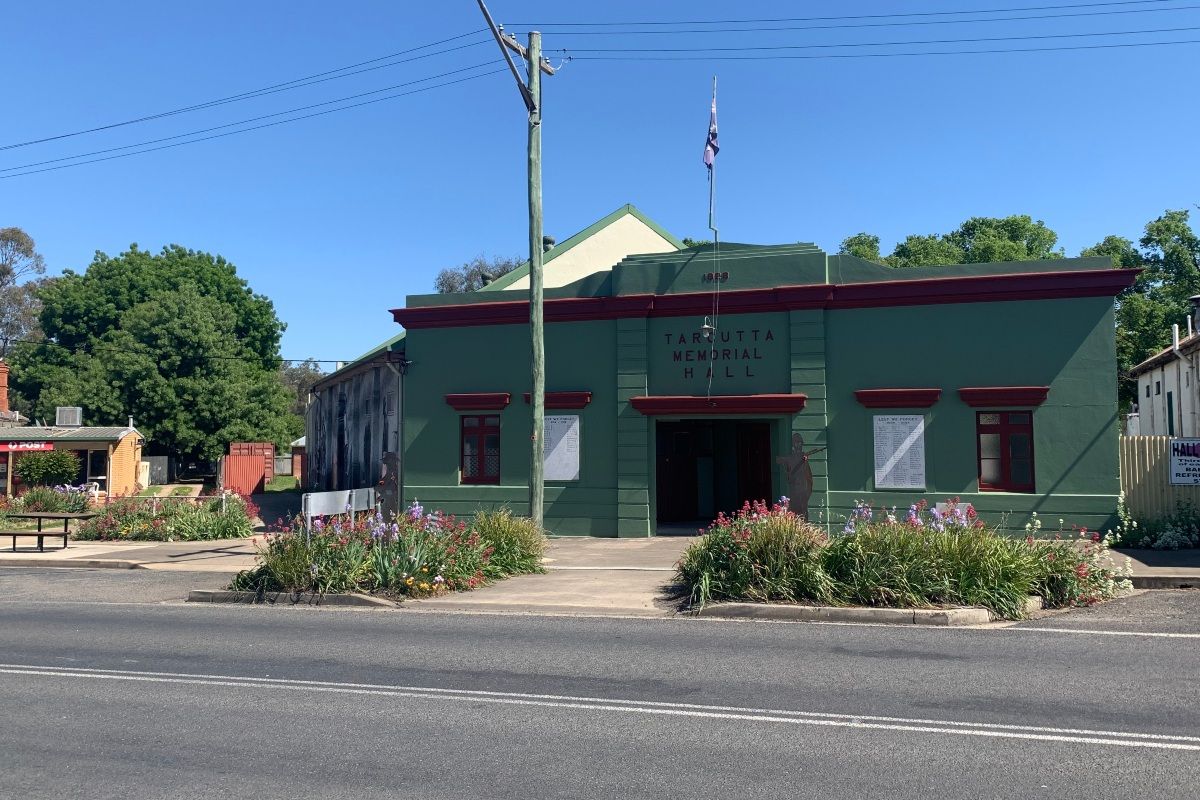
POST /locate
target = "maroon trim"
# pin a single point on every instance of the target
(1003, 396)
(478, 401)
(565, 399)
(897, 398)
(658, 405)
(923, 291)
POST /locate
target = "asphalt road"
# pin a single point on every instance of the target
(104, 699)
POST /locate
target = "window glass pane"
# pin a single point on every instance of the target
(989, 419)
(1022, 471)
(470, 458)
(1018, 445)
(989, 445)
(493, 421)
(989, 471)
(491, 456)
(1020, 418)
(470, 422)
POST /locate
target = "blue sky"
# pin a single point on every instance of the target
(337, 218)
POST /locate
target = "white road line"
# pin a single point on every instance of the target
(1096, 632)
(1004, 731)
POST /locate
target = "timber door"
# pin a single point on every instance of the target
(676, 447)
(754, 462)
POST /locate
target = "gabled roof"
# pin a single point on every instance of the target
(396, 343)
(1188, 344)
(46, 433)
(506, 280)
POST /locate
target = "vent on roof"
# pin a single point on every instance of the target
(68, 417)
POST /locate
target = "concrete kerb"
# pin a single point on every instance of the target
(290, 598)
(73, 563)
(1165, 581)
(878, 616)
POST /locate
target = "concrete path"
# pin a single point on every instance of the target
(623, 577)
(230, 555)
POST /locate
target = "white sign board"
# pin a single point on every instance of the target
(562, 448)
(900, 451)
(1185, 462)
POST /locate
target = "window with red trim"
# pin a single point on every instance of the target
(480, 460)
(1005, 450)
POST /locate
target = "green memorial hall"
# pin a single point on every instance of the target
(680, 384)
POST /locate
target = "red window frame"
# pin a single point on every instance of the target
(475, 430)
(1005, 423)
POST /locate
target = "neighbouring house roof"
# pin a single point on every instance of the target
(396, 343)
(299, 442)
(566, 246)
(1188, 344)
(39, 433)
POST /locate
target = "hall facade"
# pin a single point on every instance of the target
(680, 384)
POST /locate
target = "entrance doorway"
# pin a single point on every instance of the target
(706, 466)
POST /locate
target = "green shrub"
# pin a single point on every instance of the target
(929, 558)
(131, 519)
(59, 499)
(760, 554)
(48, 468)
(417, 554)
(517, 545)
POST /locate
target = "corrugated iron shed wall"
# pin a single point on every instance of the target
(350, 425)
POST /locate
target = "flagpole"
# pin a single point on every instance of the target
(712, 179)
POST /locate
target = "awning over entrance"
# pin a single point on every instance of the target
(659, 405)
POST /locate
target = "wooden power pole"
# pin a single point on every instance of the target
(531, 93)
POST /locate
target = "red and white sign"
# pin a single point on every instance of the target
(25, 447)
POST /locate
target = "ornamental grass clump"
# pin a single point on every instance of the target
(63, 499)
(762, 554)
(418, 554)
(140, 519)
(924, 557)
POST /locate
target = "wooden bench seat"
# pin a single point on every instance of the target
(41, 537)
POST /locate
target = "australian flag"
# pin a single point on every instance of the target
(710, 145)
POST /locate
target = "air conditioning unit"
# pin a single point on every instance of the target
(68, 417)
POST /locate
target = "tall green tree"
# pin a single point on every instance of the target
(21, 266)
(300, 378)
(474, 274)
(978, 240)
(1169, 255)
(175, 339)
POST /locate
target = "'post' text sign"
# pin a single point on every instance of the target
(1185, 462)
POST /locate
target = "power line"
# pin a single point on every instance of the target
(244, 121)
(884, 55)
(759, 29)
(845, 17)
(256, 127)
(743, 48)
(296, 83)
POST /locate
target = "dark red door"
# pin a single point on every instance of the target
(754, 462)
(676, 497)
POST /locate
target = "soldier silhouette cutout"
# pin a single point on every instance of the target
(799, 475)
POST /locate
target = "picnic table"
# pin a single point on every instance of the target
(41, 517)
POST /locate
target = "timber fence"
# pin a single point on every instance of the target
(1146, 479)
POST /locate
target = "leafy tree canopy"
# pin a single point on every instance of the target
(174, 339)
(474, 274)
(20, 267)
(1169, 254)
(978, 240)
(299, 379)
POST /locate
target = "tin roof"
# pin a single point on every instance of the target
(37, 433)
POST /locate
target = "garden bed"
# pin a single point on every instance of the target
(416, 555)
(922, 559)
(176, 519)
